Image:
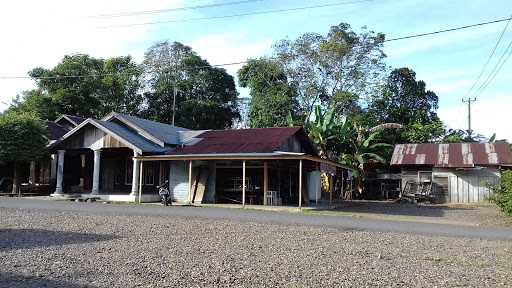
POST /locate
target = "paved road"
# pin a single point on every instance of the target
(285, 218)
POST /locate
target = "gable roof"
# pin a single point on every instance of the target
(54, 131)
(119, 132)
(160, 133)
(454, 155)
(260, 140)
(73, 120)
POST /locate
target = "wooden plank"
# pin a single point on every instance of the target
(200, 186)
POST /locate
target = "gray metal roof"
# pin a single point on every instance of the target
(133, 138)
(166, 133)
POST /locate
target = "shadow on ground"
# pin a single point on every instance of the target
(8, 279)
(12, 239)
(397, 209)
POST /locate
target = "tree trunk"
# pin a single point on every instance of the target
(360, 183)
(15, 178)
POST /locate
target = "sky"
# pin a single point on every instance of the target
(39, 33)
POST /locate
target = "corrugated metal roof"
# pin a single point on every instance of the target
(54, 131)
(453, 154)
(166, 133)
(261, 140)
(134, 139)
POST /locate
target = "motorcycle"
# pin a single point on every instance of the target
(164, 193)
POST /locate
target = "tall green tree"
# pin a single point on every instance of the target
(406, 100)
(84, 86)
(35, 102)
(337, 70)
(206, 95)
(272, 97)
(22, 139)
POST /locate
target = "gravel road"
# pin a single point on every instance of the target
(97, 245)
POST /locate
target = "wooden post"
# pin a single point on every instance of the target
(300, 184)
(331, 189)
(140, 180)
(265, 182)
(243, 184)
(190, 181)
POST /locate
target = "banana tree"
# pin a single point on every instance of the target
(358, 148)
(322, 130)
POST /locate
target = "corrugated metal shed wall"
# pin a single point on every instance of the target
(467, 186)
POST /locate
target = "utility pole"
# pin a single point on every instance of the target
(175, 89)
(469, 101)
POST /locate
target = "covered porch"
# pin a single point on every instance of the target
(268, 179)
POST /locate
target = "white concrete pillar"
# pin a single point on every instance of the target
(53, 168)
(96, 172)
(60, 171)
(135, 175)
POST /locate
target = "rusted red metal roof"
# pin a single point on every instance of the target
(453, 154)
(260, 140)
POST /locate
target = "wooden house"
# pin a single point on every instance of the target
(125, 158)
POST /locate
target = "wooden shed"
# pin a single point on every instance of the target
(453, 173)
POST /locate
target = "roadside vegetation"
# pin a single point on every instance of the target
(502, 193)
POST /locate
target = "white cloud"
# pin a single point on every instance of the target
(39, 33)
(229, 48)
(488, 116)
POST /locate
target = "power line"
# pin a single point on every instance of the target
(244, 62)
(497, 68)
(158, 11)
(449, 29)
(236, 15)
(488, 59)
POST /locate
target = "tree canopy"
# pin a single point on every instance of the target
(206, 95)
(272, 97)
(83, 86)
(406, 101)
(338, 69)
(22, 137)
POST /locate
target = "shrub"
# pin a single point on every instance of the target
(502, 193)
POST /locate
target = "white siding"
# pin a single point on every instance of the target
(178, 181)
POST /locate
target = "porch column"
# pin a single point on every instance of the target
(300, 183)
(60, 171)
(53, 168)
(265, 182)
(96, 172)
(190, 200)
(243, 184)
(135, 175)
(32, 176)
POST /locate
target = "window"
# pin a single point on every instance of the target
(149, 174)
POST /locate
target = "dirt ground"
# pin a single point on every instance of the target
(482, 214)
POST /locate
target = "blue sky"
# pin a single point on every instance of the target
(448, 63)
